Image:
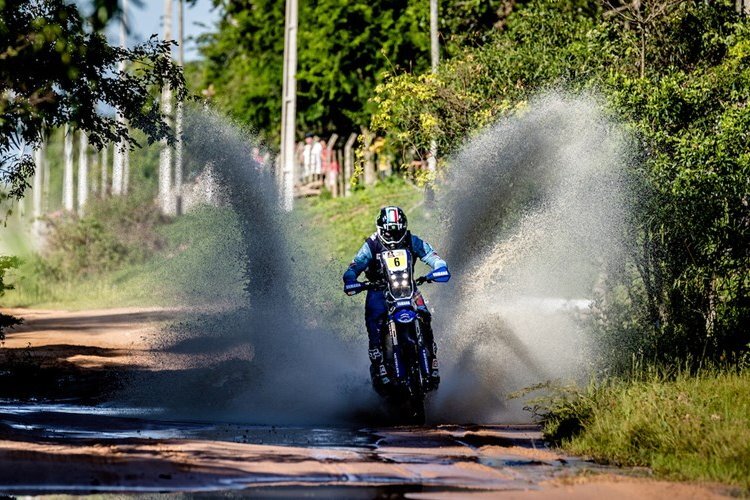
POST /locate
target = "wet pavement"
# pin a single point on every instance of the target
(109, 449)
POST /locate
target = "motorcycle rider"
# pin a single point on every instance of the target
(391, 234)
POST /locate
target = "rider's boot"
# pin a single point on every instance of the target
(378, 373)
(429, 340)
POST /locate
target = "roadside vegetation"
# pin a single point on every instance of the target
(683, 425)
(121, 254)
(676, 74)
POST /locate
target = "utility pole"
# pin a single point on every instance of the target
(289, 105)
(105, 170)
(743, 6)
(178, 118)
(83, 171)
(68, 170)
(165, 157)
(435, 59)
(38, 190)
(120, 154)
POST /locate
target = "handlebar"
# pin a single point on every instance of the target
(375, 285)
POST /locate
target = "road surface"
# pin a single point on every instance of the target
(88, 444)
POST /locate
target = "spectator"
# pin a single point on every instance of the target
(324, 160)
(307, 158)
(315, 159)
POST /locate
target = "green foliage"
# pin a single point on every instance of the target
(682, 426)
(543, 44)
(56, 70)
(680, 81)
(113, 233)
(345, 49)
(6, 320)
(192, 258)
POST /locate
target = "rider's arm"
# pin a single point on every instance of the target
(426, 253)
(359, 264)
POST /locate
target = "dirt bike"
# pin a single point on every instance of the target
(405, 354)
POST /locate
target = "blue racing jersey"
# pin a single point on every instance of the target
(365, 258)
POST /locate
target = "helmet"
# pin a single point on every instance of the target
(391, 224)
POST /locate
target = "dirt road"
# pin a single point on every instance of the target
(55, 446)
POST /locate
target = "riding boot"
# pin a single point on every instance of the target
(429, 341)
(378, 372)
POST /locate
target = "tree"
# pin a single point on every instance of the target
(345, 49)
(57, 69)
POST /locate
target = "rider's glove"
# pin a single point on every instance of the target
(353, 287)
(441, 275)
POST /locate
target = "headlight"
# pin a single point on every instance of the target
(404, 283)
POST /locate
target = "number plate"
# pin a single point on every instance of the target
(396, 260)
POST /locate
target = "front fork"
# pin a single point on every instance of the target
(424, 360)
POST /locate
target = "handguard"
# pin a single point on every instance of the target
(353, 287)
(439, 275)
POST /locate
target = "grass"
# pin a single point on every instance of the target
(684, 427)
(200, 260)
(340, 225)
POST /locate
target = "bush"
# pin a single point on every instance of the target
(6, 320)
(682, 426)
(113, 232)
(683, 93)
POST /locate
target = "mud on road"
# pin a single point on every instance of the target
(88, 444)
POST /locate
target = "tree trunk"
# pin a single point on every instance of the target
(369, 166)
(83, 172)
(349, 164)
(643, 52)
(68, 170)
(165, 157)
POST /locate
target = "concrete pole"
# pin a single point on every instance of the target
(45, 188)
(435, 59)
(38, 187)
(68, 170)
(120, 156)
(38, 194)
(83, 171)
(178, 169)
(105, 170)
(165, 157)
(289, 105)
(125, 170)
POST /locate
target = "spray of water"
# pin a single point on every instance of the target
(533, 212)
(529, 216)
(257, 360)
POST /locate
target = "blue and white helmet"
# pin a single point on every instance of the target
(391, 224)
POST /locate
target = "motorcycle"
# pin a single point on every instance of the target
(406, 357)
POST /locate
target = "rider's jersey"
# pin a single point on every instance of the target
(365, 259)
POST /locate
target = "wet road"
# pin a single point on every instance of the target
(59, 448)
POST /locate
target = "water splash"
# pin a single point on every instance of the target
(257, 360)
(529, 216)
(533, 209)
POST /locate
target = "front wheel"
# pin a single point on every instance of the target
(415, 415)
